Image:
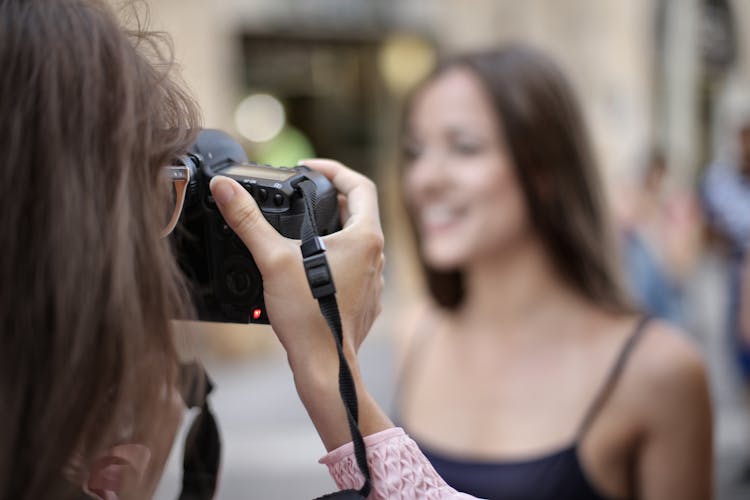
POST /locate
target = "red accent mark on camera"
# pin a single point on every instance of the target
(256, 313)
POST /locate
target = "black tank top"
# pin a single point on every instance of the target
(554, 476)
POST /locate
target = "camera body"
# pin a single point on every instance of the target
(225, 283)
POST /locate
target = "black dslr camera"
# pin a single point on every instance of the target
(226, 285)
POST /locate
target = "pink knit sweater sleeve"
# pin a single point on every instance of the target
(399, 470)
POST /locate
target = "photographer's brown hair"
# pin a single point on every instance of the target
(88, 287)
(554, 164)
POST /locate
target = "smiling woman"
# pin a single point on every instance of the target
(459, 174)
(529, 375)
(500, 134)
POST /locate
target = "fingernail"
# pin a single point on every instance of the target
(303, 161)
(222, 190)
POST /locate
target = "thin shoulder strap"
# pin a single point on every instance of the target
(410, 360)
(614, 375)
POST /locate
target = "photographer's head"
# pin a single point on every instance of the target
(89, 117)
(496, 155)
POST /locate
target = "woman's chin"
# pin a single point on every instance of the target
(443, 261)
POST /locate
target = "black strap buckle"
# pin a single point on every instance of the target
(318, 273)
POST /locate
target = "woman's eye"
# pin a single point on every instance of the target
(410, 151)
(467, 148)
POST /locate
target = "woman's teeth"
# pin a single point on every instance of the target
(439, 215)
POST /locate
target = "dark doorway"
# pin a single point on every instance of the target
(330, 88)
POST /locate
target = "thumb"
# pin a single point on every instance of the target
(244, 217)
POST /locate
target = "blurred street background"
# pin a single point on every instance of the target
(662, 82)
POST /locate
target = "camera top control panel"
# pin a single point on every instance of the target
(268, 185)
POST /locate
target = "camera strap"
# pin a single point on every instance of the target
(202, 453)
(321, 284)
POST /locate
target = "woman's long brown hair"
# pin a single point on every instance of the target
(88, 115)
(554, 163)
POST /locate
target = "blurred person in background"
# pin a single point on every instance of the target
(527, 374)
(660, 236)
(745, 304)
(726, 197)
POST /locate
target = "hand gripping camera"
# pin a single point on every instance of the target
(226, 285)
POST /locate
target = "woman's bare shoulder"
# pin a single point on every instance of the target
(668, 390)
(667, 373)
(669, 356)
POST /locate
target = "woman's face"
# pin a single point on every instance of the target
(460, 183)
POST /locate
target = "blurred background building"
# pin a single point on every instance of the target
(301, 78)
(651, 71)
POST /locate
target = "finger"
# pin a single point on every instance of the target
(361, 194)
(343, 209)
(245, 218)
(344, 178)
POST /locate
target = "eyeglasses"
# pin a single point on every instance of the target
(178, 176)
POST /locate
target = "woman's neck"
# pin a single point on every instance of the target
(505, 290)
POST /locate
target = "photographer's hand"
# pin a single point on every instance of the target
(355, 255)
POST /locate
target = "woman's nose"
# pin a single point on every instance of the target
(429, 171)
